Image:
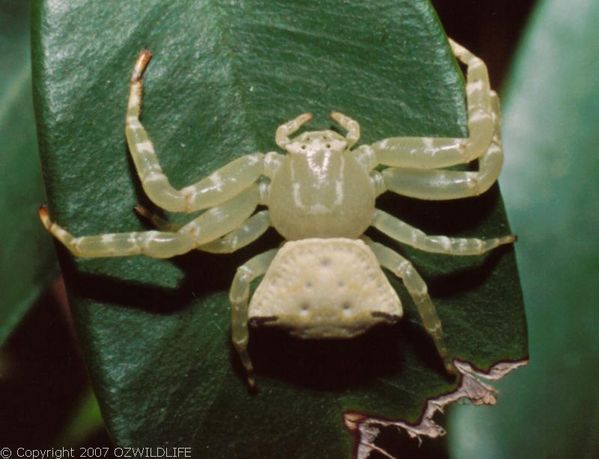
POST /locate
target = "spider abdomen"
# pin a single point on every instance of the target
(325, 288)
(321, 194)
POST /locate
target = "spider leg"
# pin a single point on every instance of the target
(351, 126)
(288, 128)
(220, 186)
(441, 184)
(218, 221)
(156, 244)
(402, 232)
(418, 290)
(239, 296)
(209, 226)
(433, 152)
(248, 232)
(155, 219)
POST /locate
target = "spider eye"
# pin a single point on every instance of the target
(328, 145)
(303, 147)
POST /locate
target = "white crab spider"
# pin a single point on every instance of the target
(326, 280)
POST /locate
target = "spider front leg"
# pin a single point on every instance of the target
(418, 290)
(432, 152)
(239, 296)
(402, 232)
(222, 185)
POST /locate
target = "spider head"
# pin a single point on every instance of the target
(317, 141)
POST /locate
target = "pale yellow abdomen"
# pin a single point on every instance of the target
(325, 288)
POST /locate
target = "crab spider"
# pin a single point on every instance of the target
(326, 280)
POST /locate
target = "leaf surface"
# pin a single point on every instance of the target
(156, 333)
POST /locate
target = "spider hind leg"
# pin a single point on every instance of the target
(418, 290)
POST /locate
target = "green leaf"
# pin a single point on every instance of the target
(27, 261)
(551, 408)
(156, 334)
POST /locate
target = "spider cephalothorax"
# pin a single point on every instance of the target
(326, 280)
